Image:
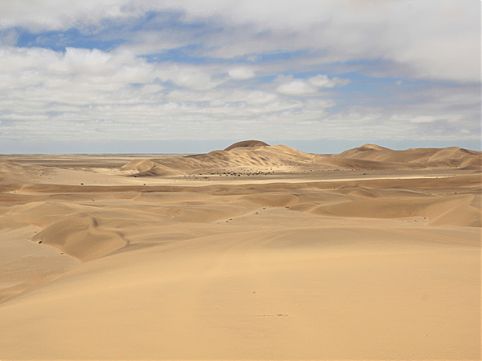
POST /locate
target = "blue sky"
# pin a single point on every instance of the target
(167, 76)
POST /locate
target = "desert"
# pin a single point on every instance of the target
(255, 251)
(255, 180)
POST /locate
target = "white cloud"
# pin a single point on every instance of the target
(296, 87)
(241, 73)
(260, 97)
(48, 95)
(323, 81)
(79, 94)
(437, 39)
(423, 119)
(56, 14)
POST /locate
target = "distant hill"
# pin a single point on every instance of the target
(241, 158)
(257, 157)
(452, 157)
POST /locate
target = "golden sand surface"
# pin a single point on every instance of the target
(298, 257)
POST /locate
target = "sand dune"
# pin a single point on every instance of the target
(81, 237)
(108, 262)
(147, 167)
(247, 144)
(255, 157)
(417, 157)
(238, 160)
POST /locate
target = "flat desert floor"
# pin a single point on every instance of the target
(341, 265)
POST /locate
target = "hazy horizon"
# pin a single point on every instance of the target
(190, 147)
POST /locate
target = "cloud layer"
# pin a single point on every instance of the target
(345, 69)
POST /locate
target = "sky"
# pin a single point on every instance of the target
(160, 76)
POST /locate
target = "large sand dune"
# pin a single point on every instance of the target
(243, 160)
(271, 253)
(453, 157)
(255, 157)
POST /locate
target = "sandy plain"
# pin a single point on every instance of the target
(249, 253)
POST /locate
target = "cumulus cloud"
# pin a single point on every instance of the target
(296, 87)
(241, 73)
(299, 87)
(96, 94)
(323, 81)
